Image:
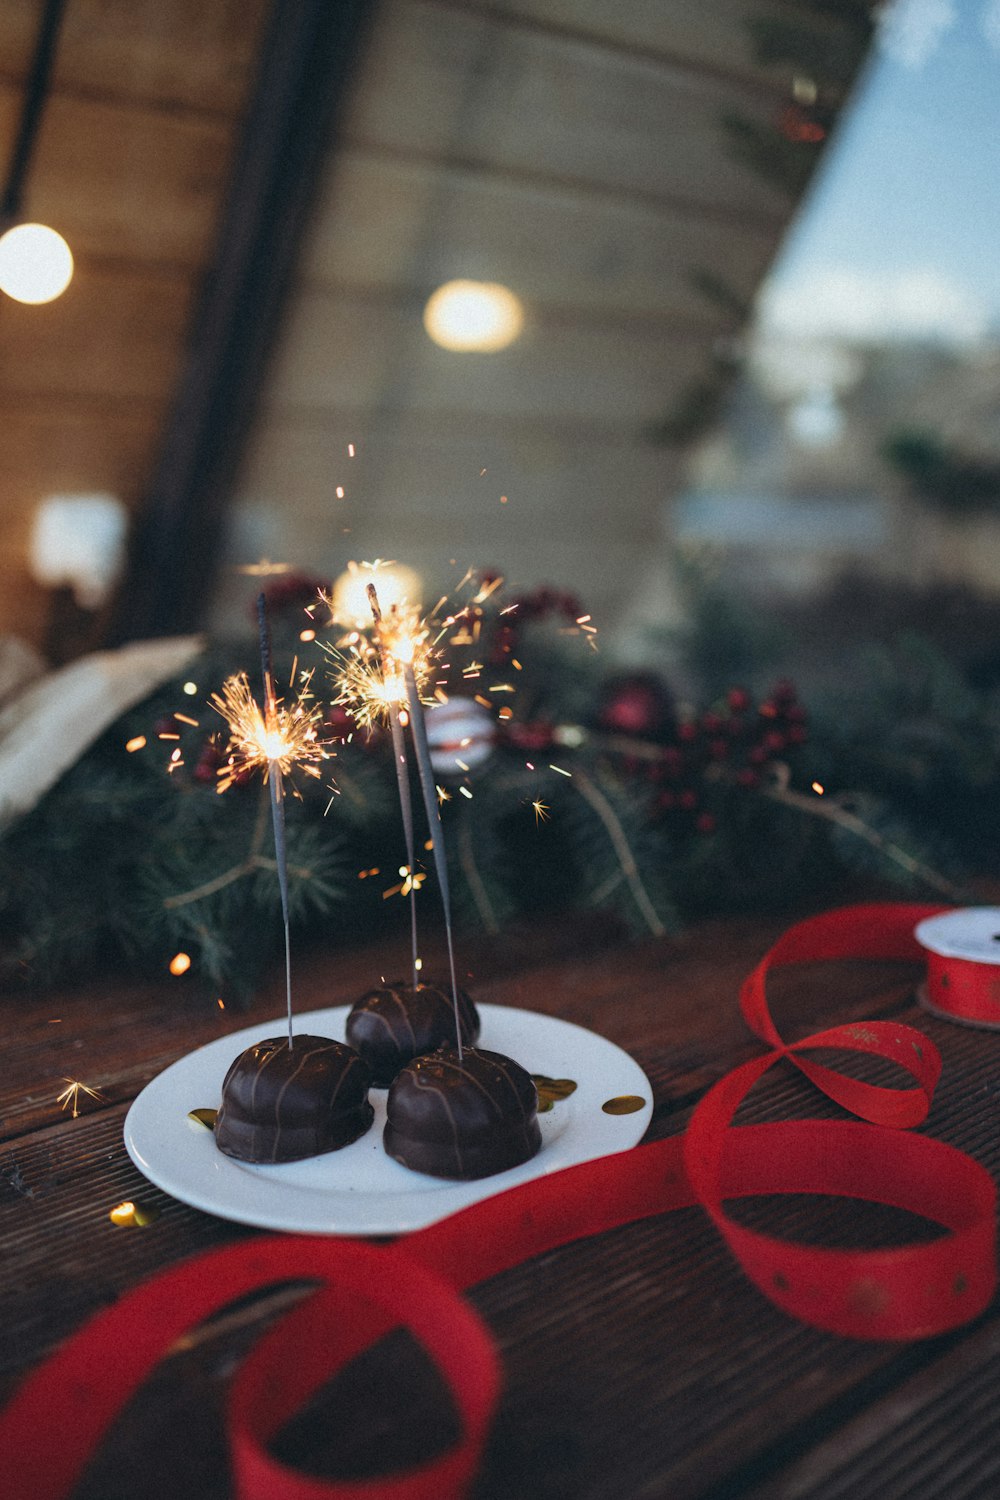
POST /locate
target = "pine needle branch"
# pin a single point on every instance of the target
(596, 799)
(834, 810)
(467, 860)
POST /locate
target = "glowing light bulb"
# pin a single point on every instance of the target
(396, 584)
(473, 315)
(36, 264)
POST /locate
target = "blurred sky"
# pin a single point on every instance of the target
(900, 234)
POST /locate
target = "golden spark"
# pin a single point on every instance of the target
(542, 811)
(412, 881)
(369, 675)
(70, 1096)
(283, 736)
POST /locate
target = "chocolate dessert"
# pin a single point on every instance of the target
(395, 1023)
(282, 1103)
(462, 1117)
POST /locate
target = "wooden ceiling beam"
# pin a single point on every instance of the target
(307, 59)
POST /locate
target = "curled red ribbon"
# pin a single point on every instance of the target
(902, 1292)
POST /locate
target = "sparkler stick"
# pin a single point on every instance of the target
(276, 784)
(403, 781)
(418, 729)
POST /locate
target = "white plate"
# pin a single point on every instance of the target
(359, 1189)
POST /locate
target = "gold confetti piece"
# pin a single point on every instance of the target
(129, 1215)
(624, 1104)
(551, 1090)
(202, 1119)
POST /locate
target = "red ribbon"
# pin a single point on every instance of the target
(963, 989)
(59, 1415)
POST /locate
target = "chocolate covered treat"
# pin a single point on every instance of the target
(395, 1023)
(462, 1117)
(282, 1103)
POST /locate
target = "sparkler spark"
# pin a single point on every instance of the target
(70, 1096)
(283, 736)
(369, 678)
(542, 811)
(412, 881)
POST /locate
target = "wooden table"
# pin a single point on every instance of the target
(638, 1363)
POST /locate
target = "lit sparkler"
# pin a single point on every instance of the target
(370, 679)
(274, 740)
(287, 737)
(404, 650)
(391, 692)
(372, 686)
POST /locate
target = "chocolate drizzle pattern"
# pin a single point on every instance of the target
(394, 1023)
(282, 1103)
(462, 1118)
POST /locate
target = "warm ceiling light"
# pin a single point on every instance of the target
(473, 315)
(36, 264)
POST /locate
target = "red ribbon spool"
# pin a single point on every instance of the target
(902, 1292)
(963, 964)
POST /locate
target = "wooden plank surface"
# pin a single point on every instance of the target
(442, 469)
(382, 221)
(132, 157)
(116, 333)
(353, 354)
(175, 53)
(640, 1362)
(718, 38)
(122, 182)
(442, 82)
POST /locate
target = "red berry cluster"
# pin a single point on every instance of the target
(291, 592)
(169, 730)
(338, 724)
(532, 737)
(206, 767)
(733, 742)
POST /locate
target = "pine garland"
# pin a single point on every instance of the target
(597, 792)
